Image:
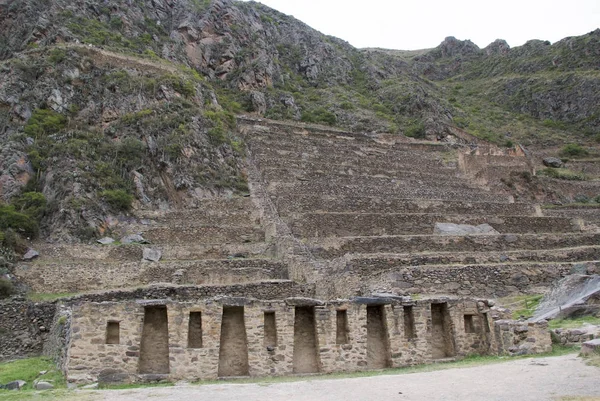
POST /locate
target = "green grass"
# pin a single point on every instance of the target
(563, 174)
(572, 323)
(522, 305)
(29, 370)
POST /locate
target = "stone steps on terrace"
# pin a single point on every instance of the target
(287, 174)
(235, 211)
(577, 254)
(274, 136)
(204, 235)
(134, 252)
(588, 214)
(334, 247)
(400, 189)
(364, 167)
(380, 183)
(407, 161)
(313, 143)
(63, 275)
(482, 280)
(288, 204)
(376, 224)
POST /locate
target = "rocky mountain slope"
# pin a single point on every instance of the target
(109, 105)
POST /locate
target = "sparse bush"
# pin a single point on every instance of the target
(19, 222)
(319, 115)
(57, 55)
(573, 150)
(415, 130)
(44, 122)
(6, 288)
(32, 204)
(581, 199)
(563, 174)
(118, 199)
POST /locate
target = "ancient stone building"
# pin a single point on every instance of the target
(332, 263)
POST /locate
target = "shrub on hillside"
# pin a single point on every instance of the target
(6, 288)
(44, 122)
(19, 222)
(573, 150)
(118, 199)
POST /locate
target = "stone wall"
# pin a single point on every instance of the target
(24, 327)
(366, 276)
(92, 357)
(521, 338)
(58, 277)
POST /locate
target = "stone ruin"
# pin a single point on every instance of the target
(331, 264)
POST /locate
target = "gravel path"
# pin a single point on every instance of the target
(523, 380)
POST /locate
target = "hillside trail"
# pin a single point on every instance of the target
(536, 379)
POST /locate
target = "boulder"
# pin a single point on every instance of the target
(31, 254)
(134, 239)
(15, 385)
(590, 347)
(43, 386)
(105, 241)
(152, 255)
(553, 162)
(463, 229)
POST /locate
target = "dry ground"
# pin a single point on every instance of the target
(564, 378)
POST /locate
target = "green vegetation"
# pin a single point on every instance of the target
(319, 115)
(118, 199)
(20, 223)
(571, 323)
(6, 288)
(522, 305)
(29, 370)
(44, 122)
(573, 150)
(562, 174)
(415, 130)
(112, 34)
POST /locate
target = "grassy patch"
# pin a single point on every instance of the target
(29, 370)
(571, 323)
(563, 174)
(522, 305)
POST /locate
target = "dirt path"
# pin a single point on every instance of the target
(523, 380)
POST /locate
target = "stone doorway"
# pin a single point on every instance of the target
(233, 350)
(154, 349)
(378, 344)
(442, 338)
(306, 347)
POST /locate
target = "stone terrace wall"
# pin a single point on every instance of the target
(97, 275)
(24, 326)
(91, 356)
(366, 276)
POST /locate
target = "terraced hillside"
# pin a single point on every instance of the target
(365, 208)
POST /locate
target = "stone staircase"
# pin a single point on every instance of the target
(366, 207)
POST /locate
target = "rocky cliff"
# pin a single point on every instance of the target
(108, 105)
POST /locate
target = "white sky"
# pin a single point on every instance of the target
(418, 24)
